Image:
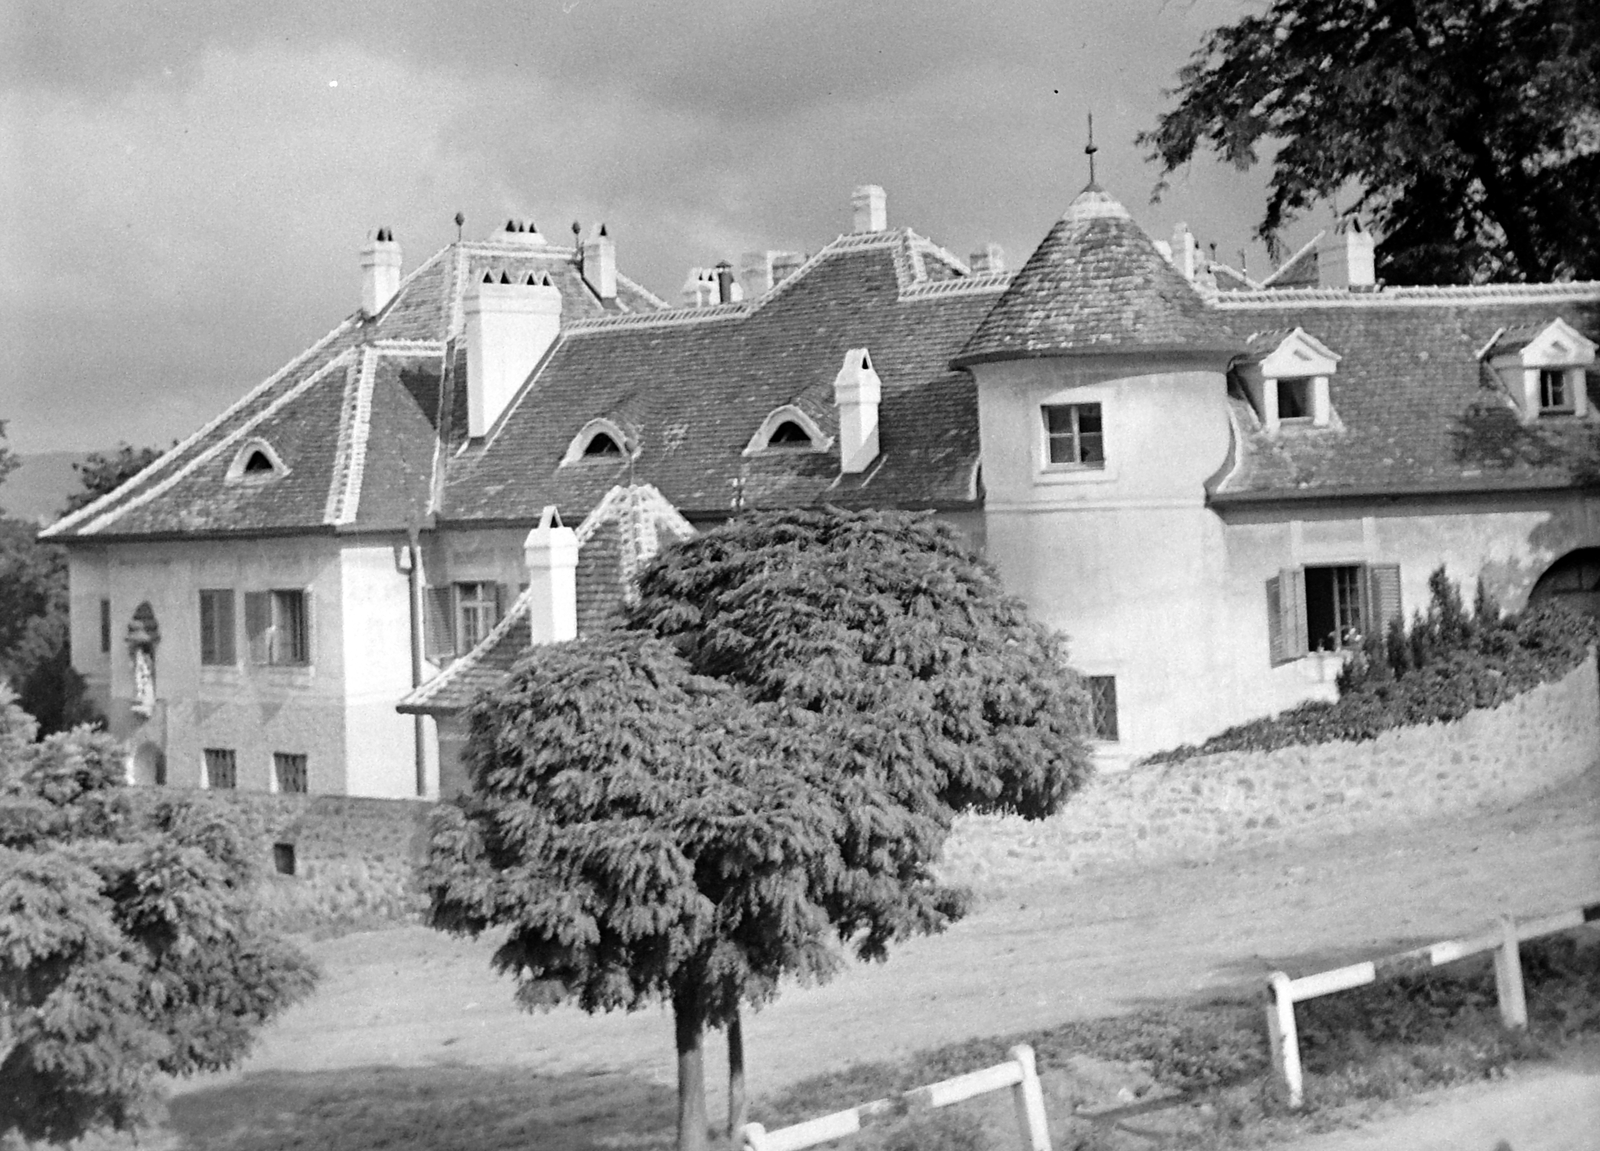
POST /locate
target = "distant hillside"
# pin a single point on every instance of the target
(37, 489)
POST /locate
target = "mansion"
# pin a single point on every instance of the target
(1211, 485)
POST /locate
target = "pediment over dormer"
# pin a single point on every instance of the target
(1543, 367)
(1299, 353)
(1556, 344)
(1285, 374)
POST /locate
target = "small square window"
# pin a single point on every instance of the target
(1074, 435)
(1103, 706)
(289, 773)
(1294, 398)
(283, 860)
(1555, 391)
(221, 768)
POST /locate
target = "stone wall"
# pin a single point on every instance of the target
(353, 858)
(1200, 807)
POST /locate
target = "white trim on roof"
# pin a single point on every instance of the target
(342, 361)
(99, 505)
(350, 457)
(1577, 290)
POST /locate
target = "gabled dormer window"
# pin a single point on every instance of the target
(254, 463)
(1543, 367)
(1287, 378)
(599, 441)
(788, 429)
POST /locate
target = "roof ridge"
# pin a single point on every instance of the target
(150, 493)
(1410, 294)
(976, 283)
(667, 316)
(355, 427)
(642, 290)
(91, 509)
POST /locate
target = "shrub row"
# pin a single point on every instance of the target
(1447, 663)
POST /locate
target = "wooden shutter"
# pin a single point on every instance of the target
(1286, 615)
(438, 606)
(502, 600)
(258, 625)
(227, 643)
(1383, 596)
(302, 640)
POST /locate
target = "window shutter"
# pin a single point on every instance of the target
(1383, 594)
(502, 600)
(258, 625)
(438, 634)
(1286, 615)
(223, 636)
(302, 648)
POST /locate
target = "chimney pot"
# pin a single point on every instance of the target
(599, 264)
(857, 390)
(380, 271)
(724, 282)
(870, 206)
(551, 554)
(991, 258)
(509, 327)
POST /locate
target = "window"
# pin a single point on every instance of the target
(601, 445)
(278, 625)
(789, 434)
(598, 441)
(288, 773)
(221, 768)
(1555, 391)
(1103, 706)
(1294, 399)
(1074, 436)
(1329, 608)
(105, 626)
(216, 627)
(255, 462)
(477, 611)
(283, 858)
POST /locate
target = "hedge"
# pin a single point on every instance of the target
(1447, 663)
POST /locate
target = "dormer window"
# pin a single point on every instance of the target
(254, 463)
(1543, 367)
(1286, 376)
(788, 429)
(599, 441)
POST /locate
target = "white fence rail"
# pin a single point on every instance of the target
(1503, 940)
(1018, 1073)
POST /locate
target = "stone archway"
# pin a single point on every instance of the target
(1574, 579)
(147, 766)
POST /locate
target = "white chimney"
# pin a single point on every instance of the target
(871, 208)
(1185, 252)
(1346, 259)
(509, 327)
(856, 392)
(700, 289)
(991, 258)
(380, 271)
(551, 553)
(520, 232)
(600, 264)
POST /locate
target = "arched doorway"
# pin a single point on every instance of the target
(147, 766)
(1574, 580)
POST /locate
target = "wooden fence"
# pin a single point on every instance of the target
(1017, 1073)
(1503, 940)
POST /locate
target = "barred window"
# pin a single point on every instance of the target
(221, 768)
(289, 773)
(1103, 705)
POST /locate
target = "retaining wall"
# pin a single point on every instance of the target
(1195, 809)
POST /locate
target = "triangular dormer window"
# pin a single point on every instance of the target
(255, 462)
(1286, 375)
(598, 441)
(1543, 367)
(788, 429)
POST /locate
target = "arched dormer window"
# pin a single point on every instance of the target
(788, 429)
(598, 441)
(254, 463)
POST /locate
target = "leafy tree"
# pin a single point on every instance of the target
(127, 947)
(105, 472)
(1470, 129)
(692, 817)
(8, 460)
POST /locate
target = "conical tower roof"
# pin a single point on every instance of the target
(1096, 284)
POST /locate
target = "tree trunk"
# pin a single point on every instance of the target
(688, 1023)
(738, 1112)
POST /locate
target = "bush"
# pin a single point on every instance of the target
(1447, 663)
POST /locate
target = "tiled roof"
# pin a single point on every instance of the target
(1096, 283)
(631, 525)
(691, 386)
(354, 418)
(1416, 409)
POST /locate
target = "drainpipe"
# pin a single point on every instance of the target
(414, 587)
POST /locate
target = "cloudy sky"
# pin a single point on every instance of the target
(187, 183)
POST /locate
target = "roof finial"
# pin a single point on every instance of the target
(461, 218)
(1089, 150)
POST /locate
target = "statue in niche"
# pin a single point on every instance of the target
(143, 636)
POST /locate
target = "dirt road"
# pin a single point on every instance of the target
(410, 998)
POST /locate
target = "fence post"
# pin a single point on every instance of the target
(1285, 1039)
(753, 1137)
(1508, 977)
(1029, 1100)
